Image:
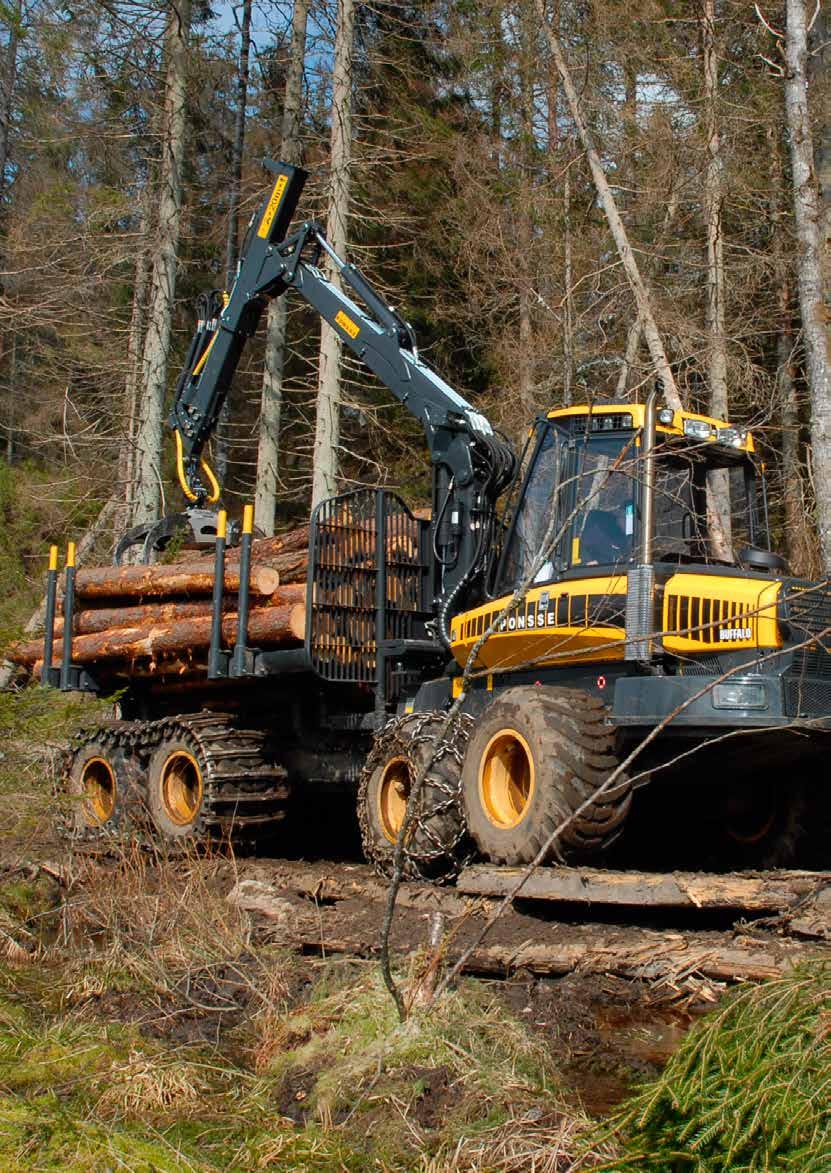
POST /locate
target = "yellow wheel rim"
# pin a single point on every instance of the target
(98, 783)
(393, 793)
(181, 785)
(506, 779)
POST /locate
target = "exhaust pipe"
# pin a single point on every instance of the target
(640, 592)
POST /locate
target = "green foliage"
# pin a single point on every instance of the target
(749, 1090)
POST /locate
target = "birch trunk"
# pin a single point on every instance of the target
(221, 443)
(643, 301)
(633, 337)
(268, 446)
(554, 150)
(819, 79)
(525, 216)
(718, 480)
(147, 498)
(807, 220)
(126, 455)
(327, 431)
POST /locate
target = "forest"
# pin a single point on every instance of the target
(455, 174)
(563, 205)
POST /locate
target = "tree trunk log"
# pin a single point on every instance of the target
(160, 582)
(144, 614)
(285, 624)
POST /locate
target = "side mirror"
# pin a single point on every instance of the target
(752, 558)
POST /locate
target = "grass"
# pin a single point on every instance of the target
(141, 1029)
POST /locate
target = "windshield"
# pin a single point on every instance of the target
(535, 525)
(689, 494)
(581, 506)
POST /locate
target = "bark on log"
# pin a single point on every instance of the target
(774, 892)
(138, 582)
(262, 549)
(266, 625)
(103, 618)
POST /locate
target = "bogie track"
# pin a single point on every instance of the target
(184, 779)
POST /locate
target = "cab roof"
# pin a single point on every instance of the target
(674, 426)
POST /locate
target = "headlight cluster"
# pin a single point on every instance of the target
(702, 430)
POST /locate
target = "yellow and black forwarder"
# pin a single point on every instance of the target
(597, 607)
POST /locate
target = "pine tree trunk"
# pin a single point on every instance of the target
(718, 480)
(221, 442)
(807, 219)
(643, 301)
(268, 447)
(157, 340)
(327, 431)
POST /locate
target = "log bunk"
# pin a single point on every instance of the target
(158, 621)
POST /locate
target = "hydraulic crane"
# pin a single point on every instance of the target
(471, 465)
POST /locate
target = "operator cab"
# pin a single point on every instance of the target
(579, 508)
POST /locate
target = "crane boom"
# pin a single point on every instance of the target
(471, 465)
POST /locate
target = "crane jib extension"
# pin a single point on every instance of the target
(471, 465)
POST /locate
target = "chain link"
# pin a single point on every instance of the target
(437, 831)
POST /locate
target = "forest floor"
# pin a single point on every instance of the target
(219, 1013)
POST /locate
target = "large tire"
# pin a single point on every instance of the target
(437, 847)
(210, 782)
(537, 755)
(99, 781)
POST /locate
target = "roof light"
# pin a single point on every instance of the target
(698, 429)
(666, 416)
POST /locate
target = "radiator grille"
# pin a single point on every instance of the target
(367, 575)
(807, 609)
(704, 619)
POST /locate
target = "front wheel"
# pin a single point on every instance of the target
(537, 757)
(437, 845)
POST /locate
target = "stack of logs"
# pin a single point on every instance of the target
(156, 620)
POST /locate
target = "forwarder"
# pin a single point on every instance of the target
(595, 604)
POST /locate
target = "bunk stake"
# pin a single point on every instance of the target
(217, 658)
(242, 662)
(70, 673)
(47, 675)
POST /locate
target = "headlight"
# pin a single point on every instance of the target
(732, 437)
(697, 429)
(666, 416)
(740, 696)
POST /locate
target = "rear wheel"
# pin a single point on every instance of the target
(437, 845)
(98, 781)
(537, 755)
(209, 781)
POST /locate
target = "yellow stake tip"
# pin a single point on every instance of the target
(53, 557)
(248, 519)
(222, 524)
(70, 554)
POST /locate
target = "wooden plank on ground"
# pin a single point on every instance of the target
(753, 892)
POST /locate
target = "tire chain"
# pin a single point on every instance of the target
(214, 736)
(391, 741)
